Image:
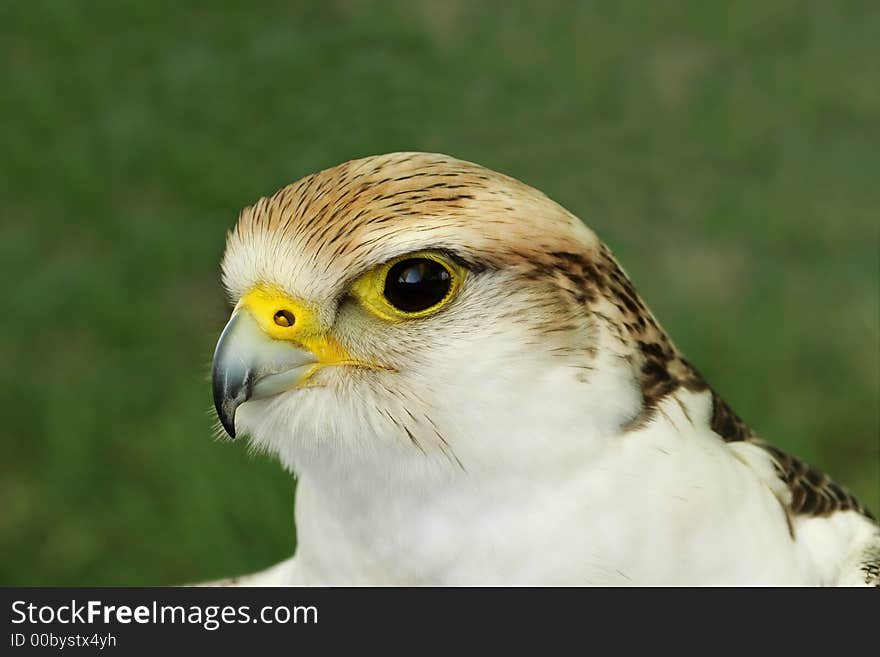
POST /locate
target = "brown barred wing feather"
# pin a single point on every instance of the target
(813, 493)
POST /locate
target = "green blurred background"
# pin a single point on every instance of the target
(728, 152)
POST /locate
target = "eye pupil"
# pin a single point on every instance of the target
(417, 284)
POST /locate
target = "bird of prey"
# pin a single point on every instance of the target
(470, 391)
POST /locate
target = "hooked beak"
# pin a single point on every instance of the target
(249, 364)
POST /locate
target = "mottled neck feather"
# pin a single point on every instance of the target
(599, 283)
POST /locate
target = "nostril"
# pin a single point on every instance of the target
(284, 318)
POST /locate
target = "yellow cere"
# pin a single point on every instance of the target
(369, 289)
(282, 318)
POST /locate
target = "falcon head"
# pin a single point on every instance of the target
(419, 306)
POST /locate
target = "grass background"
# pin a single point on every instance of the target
(728, 153)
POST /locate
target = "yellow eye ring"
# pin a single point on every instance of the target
(409, 286)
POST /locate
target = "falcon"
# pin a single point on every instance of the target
(470, 391)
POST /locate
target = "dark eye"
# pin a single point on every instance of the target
(417, 284)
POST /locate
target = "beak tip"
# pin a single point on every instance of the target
(225, 406)
(228, 422)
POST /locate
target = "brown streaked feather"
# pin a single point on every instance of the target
(726, 423)
(871, 567)
(813, 493)
(662, 370)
